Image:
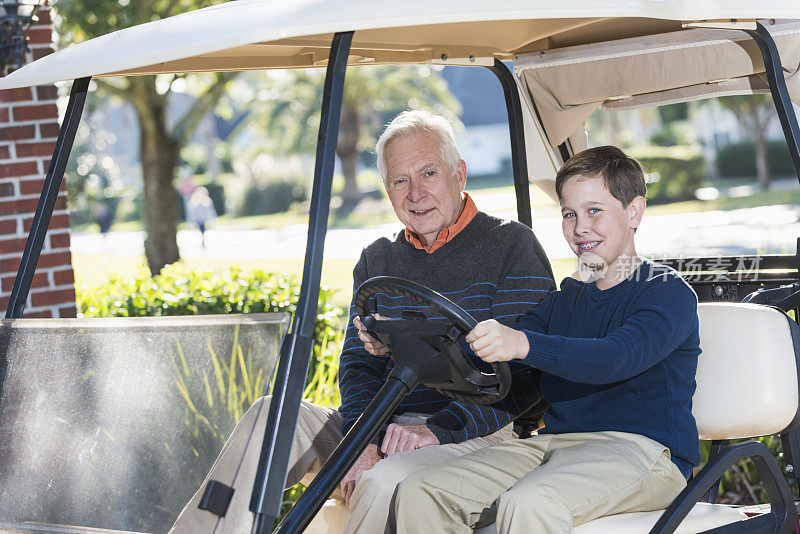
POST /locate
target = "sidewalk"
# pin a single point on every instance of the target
(766, 229)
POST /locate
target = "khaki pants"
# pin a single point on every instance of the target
(543, 484)
(319, 431)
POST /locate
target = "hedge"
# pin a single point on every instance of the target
(181, 290)
(674, 173)
(738, 160)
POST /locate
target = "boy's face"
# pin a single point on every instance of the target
(598, 228)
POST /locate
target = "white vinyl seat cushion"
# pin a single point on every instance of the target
(702, 517)
(747, 372)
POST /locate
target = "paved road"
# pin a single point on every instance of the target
(768, 229)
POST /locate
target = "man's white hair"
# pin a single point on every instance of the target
(420, 121)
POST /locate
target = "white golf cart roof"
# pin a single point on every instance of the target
(570, 58)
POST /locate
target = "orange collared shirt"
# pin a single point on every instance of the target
(467, 214)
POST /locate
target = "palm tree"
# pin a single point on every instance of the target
(289, 110)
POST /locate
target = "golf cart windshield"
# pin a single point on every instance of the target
(100, 417)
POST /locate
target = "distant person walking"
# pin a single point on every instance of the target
(200, 211)
(103, 216)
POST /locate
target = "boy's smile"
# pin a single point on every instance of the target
(599, 229)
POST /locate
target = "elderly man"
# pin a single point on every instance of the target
(490, 267)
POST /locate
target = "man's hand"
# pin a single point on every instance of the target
(494, 342)
(402, 438)
(366, 461)
(372, 345)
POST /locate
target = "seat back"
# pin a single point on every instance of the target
(747, 374)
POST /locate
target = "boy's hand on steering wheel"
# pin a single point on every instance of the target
(372, 345)
(494, 342)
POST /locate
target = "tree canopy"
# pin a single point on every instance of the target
(160, 139)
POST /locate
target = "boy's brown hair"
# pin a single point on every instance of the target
(623, 175)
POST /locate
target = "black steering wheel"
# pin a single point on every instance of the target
(449, 369)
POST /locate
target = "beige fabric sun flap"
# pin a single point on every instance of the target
(569, 84)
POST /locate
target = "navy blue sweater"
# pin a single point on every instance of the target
(493, 269)
(622, 359)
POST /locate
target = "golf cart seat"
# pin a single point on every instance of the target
(747, 386)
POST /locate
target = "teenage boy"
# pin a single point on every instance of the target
(618, 355)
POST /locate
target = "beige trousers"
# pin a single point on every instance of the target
(319, 431)
(542, 484)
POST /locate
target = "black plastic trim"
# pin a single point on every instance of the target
(270, 478)
(519, 158)
(780, 519)
(216, 498)
(47, 200)
(780, 94)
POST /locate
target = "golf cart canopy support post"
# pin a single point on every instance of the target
(519, 159)
(267, 495)
(780, 94)
(47, 201)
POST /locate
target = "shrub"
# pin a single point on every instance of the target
(273, 197)
(674, 173)
(180, 290)
(738, 160)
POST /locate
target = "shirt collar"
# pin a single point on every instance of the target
(447, 234)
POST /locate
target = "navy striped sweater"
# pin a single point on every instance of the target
(493, 269)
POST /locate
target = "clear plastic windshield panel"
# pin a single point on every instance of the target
(113, 423)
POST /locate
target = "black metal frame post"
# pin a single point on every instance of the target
(519, 160)
(270, 478)
(780, 95)
(379, 410)
(47, 201)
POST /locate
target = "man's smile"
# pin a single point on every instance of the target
(588, 245)
(422, 212)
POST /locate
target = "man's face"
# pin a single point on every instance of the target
(597, 227)
(425, 193)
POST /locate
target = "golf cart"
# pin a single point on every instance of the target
(569, 60)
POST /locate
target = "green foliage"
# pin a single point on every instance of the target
(673, 112)
(235, 385)
(673, 134)
(236, 382)
(741, 483)
(179, 290)
(273, 197)
(738, 160)
(674, 173)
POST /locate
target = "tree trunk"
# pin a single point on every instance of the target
(347, 150)
(762, 163)
(159, 153)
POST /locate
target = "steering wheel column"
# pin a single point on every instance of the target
(423, 350)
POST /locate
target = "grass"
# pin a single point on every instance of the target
(762, 198)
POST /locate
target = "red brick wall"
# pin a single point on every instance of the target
(28, 131)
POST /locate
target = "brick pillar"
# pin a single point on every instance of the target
(28, 132)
